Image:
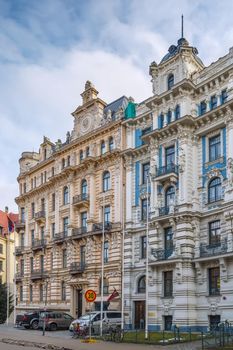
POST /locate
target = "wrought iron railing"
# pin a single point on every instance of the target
(167, 169)
(39, 274)
(99, 226)
(19, 250)
(164, 211)
(80, 198)
(162, 254)
(60, 235)
(40, 215)
(79, 231)
(76, 267)
(39, 243)
(213, 249)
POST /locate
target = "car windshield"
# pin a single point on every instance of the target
(87, 316)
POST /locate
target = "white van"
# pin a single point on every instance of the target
(109, 318)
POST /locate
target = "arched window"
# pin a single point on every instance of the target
(215, 190)
(177, 112)
(106, 181)
(84, 189)
(142, 285)
(170, 81)
(170, 196)
(81, 155)
(68, 161)
(63, 164)
(65, 195)
(103, 148)
(110, 143)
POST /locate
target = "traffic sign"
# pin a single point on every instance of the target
(90, 295)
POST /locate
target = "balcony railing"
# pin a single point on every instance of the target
(19, 250)
(162, 254)
(59, 236)
(19, 276)
(40, 243)
(40, 215)
(20, 225)
(214, 249)
(39, 274)
(79, 231)
(167, 169)
(164, 211)
(80, 198)
(77, 267)
(99, 226)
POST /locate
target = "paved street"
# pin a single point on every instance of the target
(63, 338)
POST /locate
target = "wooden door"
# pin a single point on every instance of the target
(139, 319)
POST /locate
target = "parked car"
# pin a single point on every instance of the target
(55, 320)
(109, 318)
(28, 320)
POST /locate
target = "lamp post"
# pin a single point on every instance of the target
(147, 254)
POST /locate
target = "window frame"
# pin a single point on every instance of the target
(170, 81)
(215, 145)
(106, 183)
(143, 246)
(214, 233)
(141, 285)
(168, 284)
(65, 195)
(216, 188)
(214, 281)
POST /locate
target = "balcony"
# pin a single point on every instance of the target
(39, 274)
(81, 200)
(99, 226)
(19, 276)
(214, 249)
(60, 237)
(20, 225)
(165, 172)
(162, 254)
(143, 190)
(40, 216)
(38, 244)
(76, 268)
(77, 232)
(19, 250)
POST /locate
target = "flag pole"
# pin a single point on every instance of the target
(123, 262)
(102, 272)
(147, 254)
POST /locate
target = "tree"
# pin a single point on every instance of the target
(3, 303)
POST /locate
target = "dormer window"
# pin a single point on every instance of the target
(45, 153)
(170, 81)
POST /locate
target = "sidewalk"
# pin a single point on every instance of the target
(75, 344)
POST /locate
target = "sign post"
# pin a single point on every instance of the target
(90, 297)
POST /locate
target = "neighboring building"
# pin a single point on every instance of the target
(66, 191)
(7, 238)
(183, 136)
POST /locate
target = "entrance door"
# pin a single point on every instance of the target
(139, 320)
(79, 302)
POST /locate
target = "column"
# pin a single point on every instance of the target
(128, 190)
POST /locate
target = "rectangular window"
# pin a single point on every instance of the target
(1, 265)
(22, 267)
(168, 283)
(170, 155)
(31, 264)
(107, 214)
(213, 102)
(63, 291)
(144, 209)
(65, 226)
(22, 239)
(42, 204)
(53, 202)
(1, 248)
(33, 210)
(41, 292)
(224, 96)
(64, 258)
(22, 214)
(145, 172)
(21, 293)
(82, 255)
(53, 229)
(32, 236)
(214, 147)
(214, 281)
(84, 220)
(42, 263)
(106, 255)
(143, 247)
(31, 293)
(214, 233)
(203, 107)
(168, 241)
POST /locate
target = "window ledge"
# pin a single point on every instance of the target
(218, 201)
(217, 160)
(171, 297)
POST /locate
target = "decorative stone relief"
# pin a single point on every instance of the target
(182, 160)
(230, 171)
(223, 268)
(178, 272)
(199, 273)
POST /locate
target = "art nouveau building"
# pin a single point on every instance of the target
(67, 191)
(182, 137)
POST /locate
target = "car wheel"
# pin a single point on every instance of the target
(35, 325)
(53, 327)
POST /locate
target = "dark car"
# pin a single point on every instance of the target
(28, 320)
(54, 320)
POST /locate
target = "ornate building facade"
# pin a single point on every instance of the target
(68, 192)
(181, 140)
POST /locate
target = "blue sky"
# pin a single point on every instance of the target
(48, 49)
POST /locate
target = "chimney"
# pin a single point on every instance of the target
(6, 210)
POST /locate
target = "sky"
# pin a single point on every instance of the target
(49, 48)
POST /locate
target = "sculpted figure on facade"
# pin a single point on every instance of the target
(182, 160)
(230, 171)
